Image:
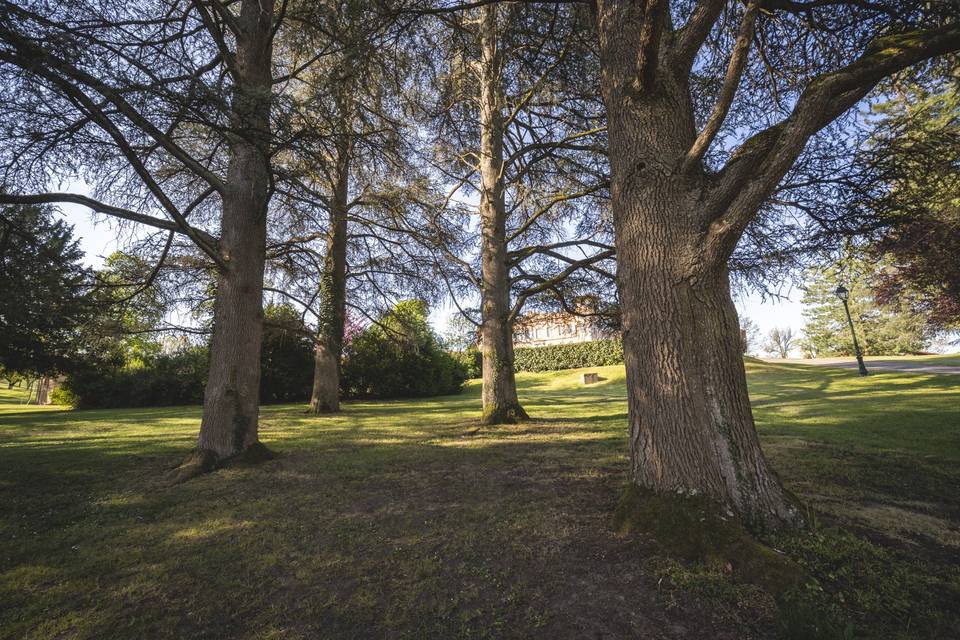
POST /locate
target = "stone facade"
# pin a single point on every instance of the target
(542, 329)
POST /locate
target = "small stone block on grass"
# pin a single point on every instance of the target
(590, 378)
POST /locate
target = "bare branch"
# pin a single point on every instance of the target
(731, 81)
(693, 34)
(100, 207)
(754, 170)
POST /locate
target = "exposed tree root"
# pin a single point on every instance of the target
(510, 414)
(202, 461)
(694, 529)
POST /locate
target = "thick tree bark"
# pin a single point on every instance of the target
(500, 402)
(691, 426)
(333, 295)
(230, 407)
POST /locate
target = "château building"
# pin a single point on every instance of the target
(542, 329)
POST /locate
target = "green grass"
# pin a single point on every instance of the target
(950, 359)
(14, 400)
(406, 520)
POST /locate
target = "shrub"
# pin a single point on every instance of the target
(472, 361)
(63, 397)
(179, 378)
(286, 357)
(597, 353)
(400, 356)
(159, 380)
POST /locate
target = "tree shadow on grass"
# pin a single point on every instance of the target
(383, 521)
(417, 538)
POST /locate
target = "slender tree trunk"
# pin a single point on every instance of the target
(29, 391)
(43, 390)
(333, 295)
(691, 425)
(231, 399)
(500, 402)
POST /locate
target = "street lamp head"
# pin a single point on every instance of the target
(842, 293)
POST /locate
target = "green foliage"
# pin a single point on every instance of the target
(127, 306)
(157, 380)
(146, 377)
(286, 358)
(10, 377)
(472, 361)
(63, 397)
(44, 288)
(881, 330)
(597, 353)
(914, 151)
(400, 356)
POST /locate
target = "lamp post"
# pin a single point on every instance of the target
(844, 295)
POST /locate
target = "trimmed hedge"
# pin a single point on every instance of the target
(597, 353)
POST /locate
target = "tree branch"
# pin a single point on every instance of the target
(100, 207)
(731, 81)
(548, 283)
(651, 32)
(32, 58)
(694, 33)
(758, 165)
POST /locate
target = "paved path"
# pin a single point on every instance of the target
(875, 365)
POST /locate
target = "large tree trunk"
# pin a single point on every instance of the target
(231, 399)
(500, 402)
(691, 426)
(333, 295)
(230, 407)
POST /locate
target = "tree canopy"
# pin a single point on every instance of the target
(46, 291)
(914, 158)
(882, 329)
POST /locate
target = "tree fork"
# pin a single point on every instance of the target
(691, 425)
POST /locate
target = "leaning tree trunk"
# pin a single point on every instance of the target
(333, 295)
(230, 406)
(500, 402)
(691, 425)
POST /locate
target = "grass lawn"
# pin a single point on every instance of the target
(947, 360)
(14, 400)
(406, 520)
(951, 359)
